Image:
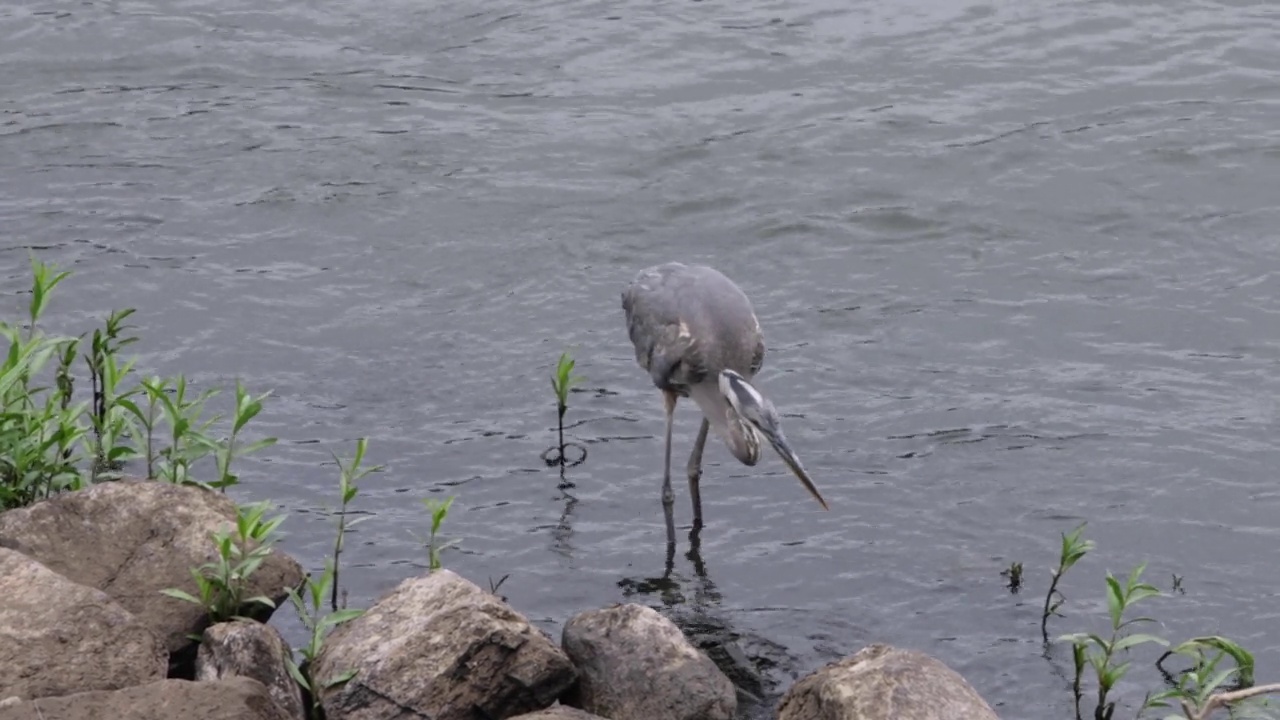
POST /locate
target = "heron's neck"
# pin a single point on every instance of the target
(738, 434)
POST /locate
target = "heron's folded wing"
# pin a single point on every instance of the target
(663, 344)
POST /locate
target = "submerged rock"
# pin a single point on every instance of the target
(133, 538)
(635, 664)
(59, 637)
(234, 699)
(881, 682)
(250, 649)
(439, 646)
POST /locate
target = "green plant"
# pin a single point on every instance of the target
(1014, 574)
(222, 583)
(1199, 691)
(562, 382)
(1073, 548)
(108, 417)
(1205, 687)
(40, 427)
(144, 425)
(439, 510)
(187, 441)
(45, 277)
(318, 625)
(1101, 653)
(348, 476)
(247, 408)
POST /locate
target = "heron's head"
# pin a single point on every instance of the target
(751, 416)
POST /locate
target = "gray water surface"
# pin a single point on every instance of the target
(1016, 263)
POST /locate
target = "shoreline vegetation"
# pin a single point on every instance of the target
(137, 587)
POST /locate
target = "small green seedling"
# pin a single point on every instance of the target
(1073, 548)
(310, 606)
(1014, 574)
(562, 382)
(222, 583)
(439, 510)
(45, 277)
(348, 476)
(247, 408)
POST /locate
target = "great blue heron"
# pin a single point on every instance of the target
(696, 333)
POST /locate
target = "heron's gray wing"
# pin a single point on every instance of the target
(663, 343)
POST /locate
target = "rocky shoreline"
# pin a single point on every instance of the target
(86, 633)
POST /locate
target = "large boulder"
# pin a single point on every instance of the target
(244, 648)
(234, 699)
(133, 538)
(881, 682)
(635, 664)
(58, 637)
(439, 646)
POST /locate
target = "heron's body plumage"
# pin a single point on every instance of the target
(688, 322)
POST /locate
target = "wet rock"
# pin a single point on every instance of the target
(439, 646)
(881, 682)
(59, 637)
(635, 664)
(233, 699)
(250, 649)
(559, 712)
(133, 538)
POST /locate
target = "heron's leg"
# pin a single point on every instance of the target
(695, 472)
(667, 496)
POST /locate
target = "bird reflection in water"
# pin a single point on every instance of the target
(694, 605)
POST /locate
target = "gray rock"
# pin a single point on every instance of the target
(881, 682)
(58, 637)
(234, 699)
(559, 712)
(438, 646)
(244, 648)
(635, 664)
(133, 538)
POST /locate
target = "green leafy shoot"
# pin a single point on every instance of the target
(45, 278)
(309, 604)
(222, 584)
(247, 408)
(439, 510)
(349, 477)
(564, 380)
(1101, 654)
(1073, 548)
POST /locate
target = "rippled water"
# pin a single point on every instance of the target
(1016, 262)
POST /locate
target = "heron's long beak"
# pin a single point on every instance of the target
(779, 441)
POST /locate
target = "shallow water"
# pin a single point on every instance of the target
(1016, 264)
